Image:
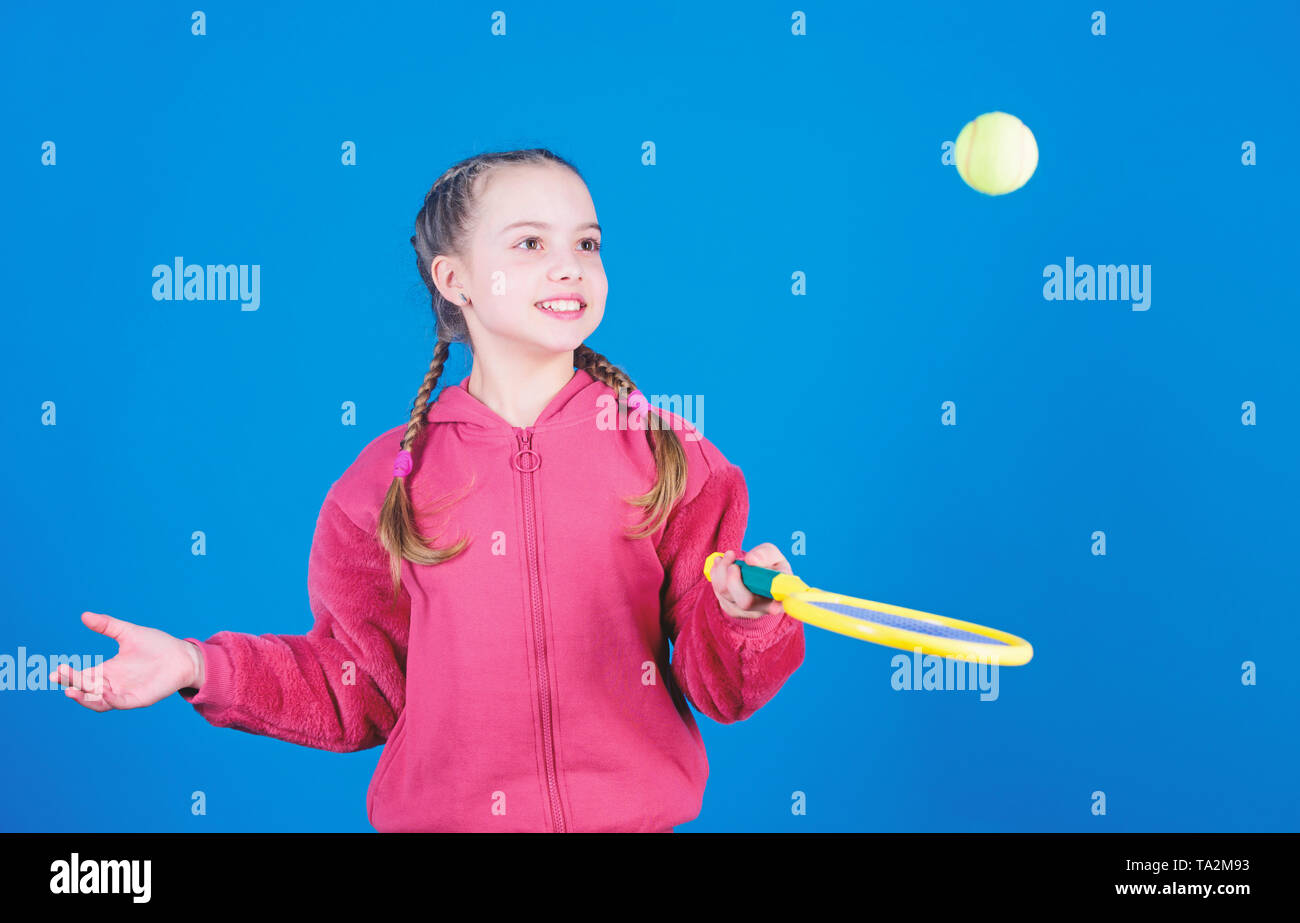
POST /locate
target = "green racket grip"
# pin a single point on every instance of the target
(763, 581)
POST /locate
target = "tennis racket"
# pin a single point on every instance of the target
(881, 623)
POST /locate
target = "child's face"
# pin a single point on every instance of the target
(511, 268)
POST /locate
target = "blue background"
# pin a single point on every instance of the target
(775, 154)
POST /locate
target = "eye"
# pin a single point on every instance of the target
(590, 240)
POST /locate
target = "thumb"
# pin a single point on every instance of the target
(104, 624)
(767, 556)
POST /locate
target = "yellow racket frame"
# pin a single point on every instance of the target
(798, 599)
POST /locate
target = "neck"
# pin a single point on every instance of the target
(519, 389)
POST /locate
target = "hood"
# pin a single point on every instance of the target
(575, 402)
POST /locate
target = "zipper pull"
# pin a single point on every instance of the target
(526, 459)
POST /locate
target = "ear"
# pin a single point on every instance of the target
(446, 273)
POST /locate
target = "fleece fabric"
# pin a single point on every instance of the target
(525, 684)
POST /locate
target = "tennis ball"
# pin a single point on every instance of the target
(996, 153)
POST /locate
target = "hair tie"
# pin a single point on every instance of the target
(402, 464)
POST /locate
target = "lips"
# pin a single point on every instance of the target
(562, 306)
(563, 296)
(571, 314)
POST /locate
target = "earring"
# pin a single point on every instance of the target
(463, 298)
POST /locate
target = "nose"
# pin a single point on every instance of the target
(566, 269)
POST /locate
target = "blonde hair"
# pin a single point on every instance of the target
(440, 228)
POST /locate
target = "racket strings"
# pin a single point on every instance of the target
(905, 623)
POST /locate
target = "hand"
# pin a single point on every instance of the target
(734, 597)
(149, 666)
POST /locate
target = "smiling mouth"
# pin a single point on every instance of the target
(562, 308)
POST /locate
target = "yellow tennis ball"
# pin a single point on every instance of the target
(996, 153)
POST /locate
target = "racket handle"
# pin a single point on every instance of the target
(759, 580)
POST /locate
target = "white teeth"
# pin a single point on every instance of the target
(561, 305)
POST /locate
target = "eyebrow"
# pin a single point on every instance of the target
(544, 225)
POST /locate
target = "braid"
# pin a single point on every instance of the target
(669, 456)
(421, 405)
(398, 531)
(584, 357)
(453, 173)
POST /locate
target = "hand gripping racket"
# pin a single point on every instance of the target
(880, 623)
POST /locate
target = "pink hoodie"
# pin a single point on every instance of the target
(524, 685)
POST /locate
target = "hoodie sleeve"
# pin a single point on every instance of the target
(339, 687)
(727, 667)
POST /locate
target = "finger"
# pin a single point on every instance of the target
(726, 588)
(94, 704)
(722, 574)
(89, 681)
(723, 583)
(736, 589)
(104, 624)
(768, 555)
(744, 591)
(66, 676)
(718, 574)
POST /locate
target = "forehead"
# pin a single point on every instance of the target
(542, 192)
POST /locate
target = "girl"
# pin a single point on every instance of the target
(519, 671)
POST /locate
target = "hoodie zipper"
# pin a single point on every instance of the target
(526, 461)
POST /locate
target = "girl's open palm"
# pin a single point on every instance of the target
(149, 666)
